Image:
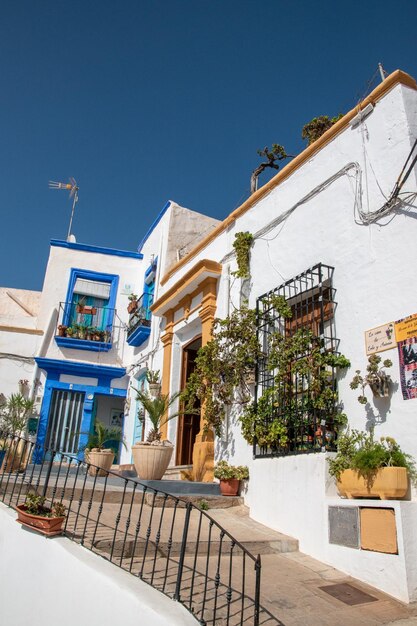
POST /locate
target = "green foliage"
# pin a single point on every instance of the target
(255, 421)
(224, 471)
(132, 297)
(275, 153)
(222, 366)
(359, 451)
(375, 378)
(318, 126)
(203, 505)
(242, 244)
(103, 435)
(152, 377)
(15, 412)
(35, 505)
(157, 410)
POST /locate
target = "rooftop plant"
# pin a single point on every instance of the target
(318, 126)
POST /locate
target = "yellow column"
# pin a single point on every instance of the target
(203, 450)
(167, 339)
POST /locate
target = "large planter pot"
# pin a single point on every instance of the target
(229, 487)
(151, 461)
(388, 483)
(101, 461)
(46, 525)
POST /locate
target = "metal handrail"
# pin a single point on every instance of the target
(166, 541)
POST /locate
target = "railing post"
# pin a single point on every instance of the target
(257, 590)
(188, 508)
(48, 474)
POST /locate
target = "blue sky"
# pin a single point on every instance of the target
(148, 100)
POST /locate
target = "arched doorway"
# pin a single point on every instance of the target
(188, 424)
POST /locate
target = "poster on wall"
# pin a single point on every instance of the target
(116, 418)
(406, 328)
(380, 338)
(406, 336)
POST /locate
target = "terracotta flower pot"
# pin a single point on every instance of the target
(388, 483)
(46, 525)
(132, 306)
(229, 487)
(151, 461)
(101, 461)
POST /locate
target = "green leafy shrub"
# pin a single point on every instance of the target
(359, 451)
(35, 505)
(224, 471)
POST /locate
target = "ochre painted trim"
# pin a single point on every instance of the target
(200, 269)
(26, 331)
(396, 78)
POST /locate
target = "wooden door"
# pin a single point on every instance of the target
(188, 424)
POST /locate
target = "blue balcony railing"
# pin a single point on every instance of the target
(140, 320)
(85, 327)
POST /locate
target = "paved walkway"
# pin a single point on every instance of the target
(143, 535)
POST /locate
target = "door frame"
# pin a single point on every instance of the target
(180, 421)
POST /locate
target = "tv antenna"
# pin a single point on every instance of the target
(72, 187)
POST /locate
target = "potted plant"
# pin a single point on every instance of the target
(133, 303)
(46, 520)
(23, 387)
(375, 377)
(82, 331)
(14, 414)
(80, 305)
(62, 330)
(151, 457)
(230, 477)
(100, 449)
(154, 383)
(71, 332)
(367, 468)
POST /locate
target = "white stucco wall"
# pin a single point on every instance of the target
(66, 584)
(54, 291)
(373, 266)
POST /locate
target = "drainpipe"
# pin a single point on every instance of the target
(42, 349)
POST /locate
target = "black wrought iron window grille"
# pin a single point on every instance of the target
(296, 400)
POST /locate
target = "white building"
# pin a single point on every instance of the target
(73, 341)
(323, 232)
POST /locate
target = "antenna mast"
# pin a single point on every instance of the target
(73, 188)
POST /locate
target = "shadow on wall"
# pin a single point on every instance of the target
(378, 413)
(225, 446)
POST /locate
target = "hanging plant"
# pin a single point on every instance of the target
(378, 380)
(242, 245)
(318, 126)
(223, 366)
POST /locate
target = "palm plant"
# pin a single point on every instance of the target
(103, 435)
(157, 410)
(15, 412)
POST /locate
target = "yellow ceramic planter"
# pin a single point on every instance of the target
(388, 483)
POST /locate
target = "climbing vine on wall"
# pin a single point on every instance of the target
(242, 245)
(223, 366)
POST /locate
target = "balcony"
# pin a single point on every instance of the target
(140, 320)
(85, 327)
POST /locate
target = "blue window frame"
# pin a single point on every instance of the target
(86, 308)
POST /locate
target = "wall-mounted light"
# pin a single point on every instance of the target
(361, 115)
